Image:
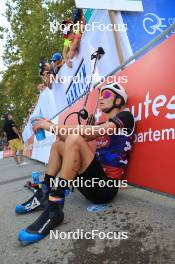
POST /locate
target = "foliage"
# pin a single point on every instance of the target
(33, 35)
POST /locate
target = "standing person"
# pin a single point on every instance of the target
(5, 142)
(72, 157)
(14, 139)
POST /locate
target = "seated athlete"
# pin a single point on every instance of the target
(72, 157)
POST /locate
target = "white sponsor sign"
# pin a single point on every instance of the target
(120, 5)
(78, 87)
(1, 154)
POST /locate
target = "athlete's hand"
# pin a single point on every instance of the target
(36, 119)
(42, 123)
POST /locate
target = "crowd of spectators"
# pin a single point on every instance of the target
(72, 30)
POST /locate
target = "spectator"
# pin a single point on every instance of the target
(56, 63)
(41, 67)
(71, 42)
(41, 87)
(79, 20)
(13, 137)
(44, 72)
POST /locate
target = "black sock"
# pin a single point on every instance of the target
(48, 181)
(62, 189)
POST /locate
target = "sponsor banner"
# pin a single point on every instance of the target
(120, 5)
(88, 14)
(79, 86)
(41, 149)
(152, 102)
(73, 119)
(145, 26)
(7, 153)
(27, 132)
(1, 155)
(47, 103)
(28, 147)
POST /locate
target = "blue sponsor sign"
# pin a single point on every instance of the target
(79, 85)
(144, 26)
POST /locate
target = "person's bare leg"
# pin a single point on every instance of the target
(77, 157)
(55, 158)
(21, 157)
(15, 158)
(73, 157)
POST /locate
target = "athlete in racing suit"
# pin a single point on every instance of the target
(72, 157)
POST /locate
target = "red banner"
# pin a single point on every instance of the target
(28, 147)
(7, 153)
(151, 90)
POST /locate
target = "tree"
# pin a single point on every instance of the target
(33, 35)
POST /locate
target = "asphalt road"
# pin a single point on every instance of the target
(148, 219)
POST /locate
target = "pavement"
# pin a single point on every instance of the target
(147, 217)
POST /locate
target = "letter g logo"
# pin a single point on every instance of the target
(153, 23)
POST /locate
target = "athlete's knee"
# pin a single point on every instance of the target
(74, 140)
(56, 146)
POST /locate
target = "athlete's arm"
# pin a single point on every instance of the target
(122, 120)
(65, 50)
(87, 131)
(122, 123)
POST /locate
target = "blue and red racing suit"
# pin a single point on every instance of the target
(113, 150)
